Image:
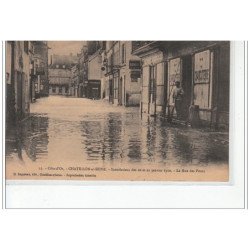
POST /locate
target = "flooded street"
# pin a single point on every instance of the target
(84, 132)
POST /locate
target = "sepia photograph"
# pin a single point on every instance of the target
(117, 110)
(124, 125)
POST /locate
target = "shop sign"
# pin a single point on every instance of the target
(134, 64)
(202, 67)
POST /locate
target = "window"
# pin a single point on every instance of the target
(53, 89)
(26, 47)
(66, 89)
(111, 60)
(123, 53)
(116, 80)
(60, 90)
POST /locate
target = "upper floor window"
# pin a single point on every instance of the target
(123, 53)
(112, 60)
(26, 47)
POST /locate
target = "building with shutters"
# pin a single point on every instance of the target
(60, 78)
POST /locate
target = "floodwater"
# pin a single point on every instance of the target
(77, 130)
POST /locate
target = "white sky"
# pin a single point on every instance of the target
(65, 47)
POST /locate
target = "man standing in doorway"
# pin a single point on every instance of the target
(178, 94)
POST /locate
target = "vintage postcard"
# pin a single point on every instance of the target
(117, 110)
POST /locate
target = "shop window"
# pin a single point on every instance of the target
(202, 74)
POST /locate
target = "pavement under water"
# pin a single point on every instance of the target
(86, 132)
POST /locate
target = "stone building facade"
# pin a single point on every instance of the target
(122, 78)
(60, 79)
(202, 68)
(17, 79)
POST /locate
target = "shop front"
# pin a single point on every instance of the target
(94, 89)
(186, 81)
(203, 73)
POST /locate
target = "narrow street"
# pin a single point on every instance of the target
(102, 110)
(94, 132)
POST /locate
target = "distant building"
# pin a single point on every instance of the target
(60, 74)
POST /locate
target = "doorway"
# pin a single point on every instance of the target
(111, 98)
(186, 85)
(120, 92)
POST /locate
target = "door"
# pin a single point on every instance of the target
(111, 99)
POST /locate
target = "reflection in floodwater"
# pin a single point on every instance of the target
(30, 137)
(102, 136)
(83, 130)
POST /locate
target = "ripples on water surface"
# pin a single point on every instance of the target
(82, 130)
